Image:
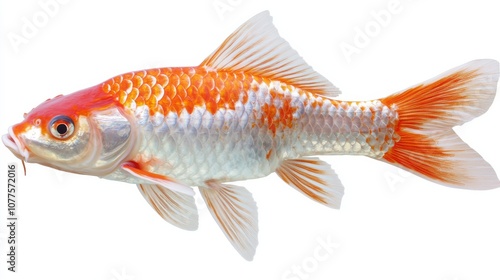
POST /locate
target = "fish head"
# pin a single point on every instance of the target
(86, 132)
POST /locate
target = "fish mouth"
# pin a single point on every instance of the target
(17, 147)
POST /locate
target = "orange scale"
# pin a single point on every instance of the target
(257, 79)
(150, 80)
(192, 91)
(228, 85)
(244, 99)
(133, 93)
(209, 82)
(235, 91)
(204, 92)
(122, 96)
(126, 85)
(106, 88)
(185, 80)
(139, 101)
(272, 112)
(266, 81)
(284, 87)
(247, 85)
(129, 103)
(211, 106)
(201, 70)
(191, 71)
(174, 80)
(166, 70)
(165, 103)
(128, 76)
(188, 105)
(215, 96)
(255, 87)
(159, 109)
(224, 94)
(145, 91)
(170, 91)
(177, 105)
(240, 76)
(118, 79)
(157, 91)
(162, 80)
(222, 76)
(115, 88)
(219, 83)
(152, 103)
(230, 105)
(153, 72)
(181, 92)
(197, 80)
(137, 81)
(177, 71)
(198, 100)
(248, 79)
(141, 73)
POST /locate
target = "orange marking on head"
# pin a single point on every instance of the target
(81, 103)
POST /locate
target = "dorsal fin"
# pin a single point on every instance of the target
(257, 48)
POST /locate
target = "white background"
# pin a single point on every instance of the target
(392, 225)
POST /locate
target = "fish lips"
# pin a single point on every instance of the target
(12, 142)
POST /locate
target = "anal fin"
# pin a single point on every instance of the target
(174, 207)
(235, 211)
(314, 178)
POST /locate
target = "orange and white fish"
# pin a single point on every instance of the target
(253, 107)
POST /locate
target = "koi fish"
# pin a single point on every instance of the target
(251, 108)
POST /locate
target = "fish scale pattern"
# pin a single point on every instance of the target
(342, 127)
(199, 125)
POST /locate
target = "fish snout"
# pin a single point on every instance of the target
(15, 145)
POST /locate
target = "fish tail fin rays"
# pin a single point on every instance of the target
(313, 178)
(428, 146)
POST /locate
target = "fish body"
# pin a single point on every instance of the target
(204, 124)
(253, 107)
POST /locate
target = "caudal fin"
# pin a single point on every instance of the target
(427, 113)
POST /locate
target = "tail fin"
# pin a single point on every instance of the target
(427, 112)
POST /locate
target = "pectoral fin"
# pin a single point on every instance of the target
(156, 179)
(235, 211)
(314, 178)
(174, 207)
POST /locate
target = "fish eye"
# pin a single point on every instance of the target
(61, 127)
